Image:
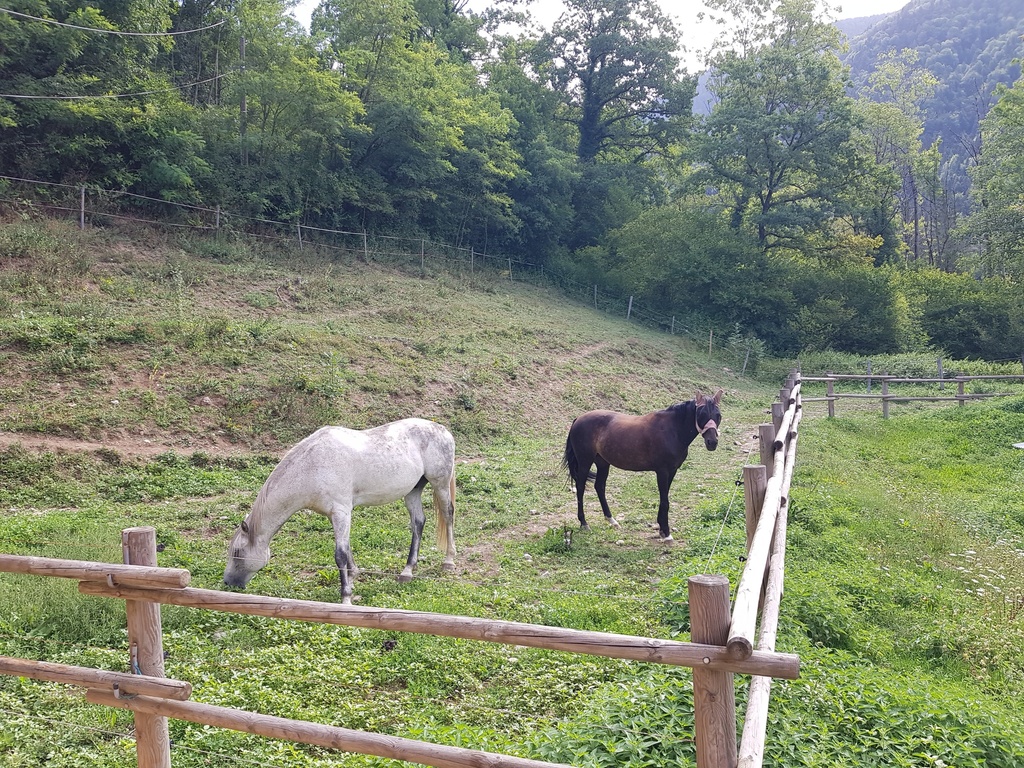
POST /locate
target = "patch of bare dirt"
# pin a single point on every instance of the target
(128, 446)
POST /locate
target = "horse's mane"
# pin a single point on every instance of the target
(259, 504)
(680, 406)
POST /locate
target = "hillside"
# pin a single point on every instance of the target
(223, 346)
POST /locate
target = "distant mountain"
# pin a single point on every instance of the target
(969, 46)
(854, 27)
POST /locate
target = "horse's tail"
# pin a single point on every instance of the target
(571, 464)
(443, 515)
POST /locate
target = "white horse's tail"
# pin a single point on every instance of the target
(442, 513)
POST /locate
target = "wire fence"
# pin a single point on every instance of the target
(92, 203)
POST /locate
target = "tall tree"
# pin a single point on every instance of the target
(776, 143)
(87, 104)
(614, 64)
(997, 221)
(432, 151)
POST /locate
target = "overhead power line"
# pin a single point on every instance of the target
(109, 31)
(112, 95)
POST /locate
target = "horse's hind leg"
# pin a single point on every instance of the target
(580, 472)
(444, 506)
(599, 485)
(664, 483)
(414, 503)
(581, 488)
(341, 520)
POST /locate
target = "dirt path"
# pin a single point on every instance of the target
(128, 447)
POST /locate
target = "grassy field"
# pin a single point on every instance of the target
(155, 380)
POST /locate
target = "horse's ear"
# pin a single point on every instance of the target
(699, 399)
(244, 526)
(718, 396)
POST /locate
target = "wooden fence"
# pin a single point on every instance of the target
(722, 640)
(887, 396)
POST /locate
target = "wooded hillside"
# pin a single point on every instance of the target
(795, 214)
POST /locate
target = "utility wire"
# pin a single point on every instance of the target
(109, 31)
(111, 95)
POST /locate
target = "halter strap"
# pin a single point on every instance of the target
(711, 424)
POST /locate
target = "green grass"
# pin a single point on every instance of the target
(159, 385)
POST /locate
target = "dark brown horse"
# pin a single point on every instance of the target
(655, 442)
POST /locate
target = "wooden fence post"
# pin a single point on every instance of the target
(885, 398)
(766, 440)
(777, 412)
(939, 361)
(714, 699)
(145, 643)
(755, 482)
(629, 309)
(81, 209)
(960, 391)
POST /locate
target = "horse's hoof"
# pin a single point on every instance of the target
(666, 538)
(613, 522)
(584, 527)
(447, 566)
(404, 578)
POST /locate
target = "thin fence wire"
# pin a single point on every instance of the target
(725, 518)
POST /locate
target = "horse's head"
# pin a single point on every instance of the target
(245, 557)
(708, 417)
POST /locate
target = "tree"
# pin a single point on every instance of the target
(431, 152)
(613, 64)
(996, 224)
(83, 122)
(776, 144)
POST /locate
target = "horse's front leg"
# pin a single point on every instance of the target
(599, 485)
(341, 521)
(414, 503)
(664, 483)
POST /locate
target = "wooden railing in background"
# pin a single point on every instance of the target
(723, 639)
(886, 396)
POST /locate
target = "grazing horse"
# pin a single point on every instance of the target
(655, 442)
(336, 469)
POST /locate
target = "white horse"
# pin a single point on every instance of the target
(336, 469)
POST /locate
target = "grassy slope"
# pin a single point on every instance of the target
(185, 368)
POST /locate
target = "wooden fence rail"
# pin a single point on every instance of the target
(887, 397)
(723, 640)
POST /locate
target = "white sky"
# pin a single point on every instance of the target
(696, 35)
